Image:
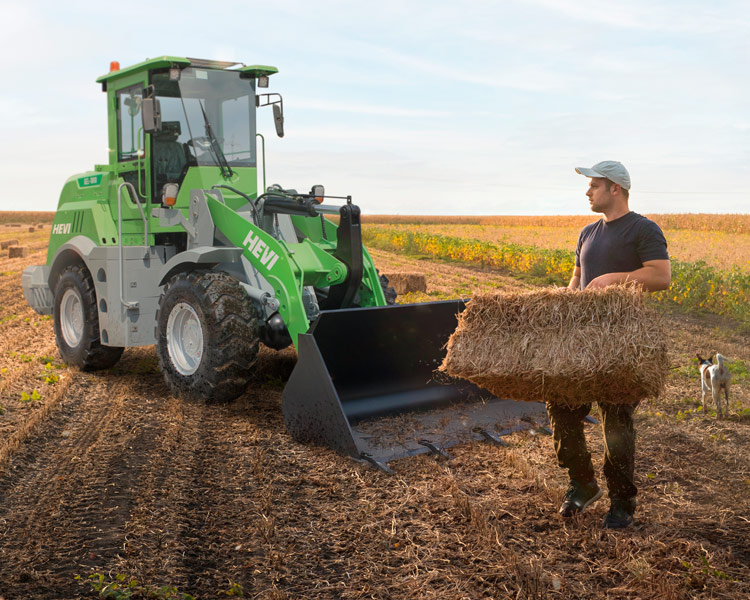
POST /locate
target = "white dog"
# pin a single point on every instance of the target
(714, 379)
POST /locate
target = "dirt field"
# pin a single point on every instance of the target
(106, 474)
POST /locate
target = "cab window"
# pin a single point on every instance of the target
(129, 127)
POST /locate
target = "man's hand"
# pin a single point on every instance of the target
(655, 275)
(609, 279)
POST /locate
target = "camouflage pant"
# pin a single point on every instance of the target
(619, 445)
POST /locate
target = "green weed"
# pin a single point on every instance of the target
(48, 375)
(690, 412)
(118, 588)
(51, 360)
(739, 370)
(706, 570)
(235, 589)
(274, 382)
(35, 396)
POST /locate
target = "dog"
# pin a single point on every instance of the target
(715, 378)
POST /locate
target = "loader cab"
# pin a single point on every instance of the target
(207, 120)
(205, 133)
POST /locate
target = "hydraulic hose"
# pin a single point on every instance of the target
(256, 215)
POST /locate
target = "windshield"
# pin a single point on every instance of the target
(211, 114)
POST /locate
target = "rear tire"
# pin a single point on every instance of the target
(207, 336)
(77, 322)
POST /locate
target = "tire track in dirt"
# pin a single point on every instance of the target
(77, 474)
(199, 502)
(124, 478)
(205, 503)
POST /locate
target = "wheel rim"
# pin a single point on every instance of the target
(184, 339)
(71, 317)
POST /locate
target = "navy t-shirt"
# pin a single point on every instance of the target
(618, 246)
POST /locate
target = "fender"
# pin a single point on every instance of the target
(76, 250)
(206, 255)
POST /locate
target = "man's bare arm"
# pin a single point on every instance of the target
(575, 281)
(655, 275)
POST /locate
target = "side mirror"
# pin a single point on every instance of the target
(151, 113)
(278, 119)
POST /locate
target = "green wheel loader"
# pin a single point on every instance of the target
(171, 244)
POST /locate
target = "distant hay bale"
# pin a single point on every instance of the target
(404, 283)
(6, 243)
(18, 251)
(561, 346)
(31, 230)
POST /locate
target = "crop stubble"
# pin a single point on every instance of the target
(118, 477)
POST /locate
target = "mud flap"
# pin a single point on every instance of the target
(365, 384)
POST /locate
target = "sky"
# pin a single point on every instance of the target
(414, 107)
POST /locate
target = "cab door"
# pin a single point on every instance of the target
(132, 158)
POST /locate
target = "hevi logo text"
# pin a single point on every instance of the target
(61, 228)
(260, 250)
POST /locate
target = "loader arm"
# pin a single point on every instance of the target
(288, 267)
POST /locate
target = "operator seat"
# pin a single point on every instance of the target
(169, 154)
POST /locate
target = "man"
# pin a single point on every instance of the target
(621, 247)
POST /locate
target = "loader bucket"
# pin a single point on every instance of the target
(365, 384)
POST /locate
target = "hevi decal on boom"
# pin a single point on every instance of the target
(255, 246)
(61, 228)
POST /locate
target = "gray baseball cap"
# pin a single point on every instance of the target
(609, 169)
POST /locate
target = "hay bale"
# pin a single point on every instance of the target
(404, 283)
(18, 251)
(561, 346)
(31, 230)
(6, 243)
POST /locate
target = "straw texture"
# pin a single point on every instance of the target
(405, 283)
(561, 346)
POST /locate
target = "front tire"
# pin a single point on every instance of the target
(77, 322)
(207, 336)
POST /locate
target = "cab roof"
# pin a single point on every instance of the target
(181, 62)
